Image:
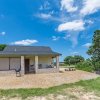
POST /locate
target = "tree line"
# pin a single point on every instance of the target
(94, 51)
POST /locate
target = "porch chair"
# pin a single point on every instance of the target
(17, 70)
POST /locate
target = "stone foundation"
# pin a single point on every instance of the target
(47, 70)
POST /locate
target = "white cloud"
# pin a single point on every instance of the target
(49, 16)
(90, 6)
(87, 45)
(2, 33)
(24, 42)
(73, 29)
(55, 38)
(44, 16)
(68, 5)
(74, 53)
(73, 22)
(76, 25)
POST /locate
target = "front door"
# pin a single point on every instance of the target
(26, 66)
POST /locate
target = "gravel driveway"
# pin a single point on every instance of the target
(43, 80)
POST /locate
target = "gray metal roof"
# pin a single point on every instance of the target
(28, 50)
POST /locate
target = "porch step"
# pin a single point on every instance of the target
(6, 73)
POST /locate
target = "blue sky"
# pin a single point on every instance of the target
(66, 26)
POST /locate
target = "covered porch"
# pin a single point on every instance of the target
(39, 64)
(29, 59)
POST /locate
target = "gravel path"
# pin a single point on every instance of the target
(43, 80)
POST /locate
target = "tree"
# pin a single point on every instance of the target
(94, 50)
(68, 60)
(78, 59)
(2, 46)
(73, 59)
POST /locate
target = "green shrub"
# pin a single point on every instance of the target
(85, 66)
(97, 66)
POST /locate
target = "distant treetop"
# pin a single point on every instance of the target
(2, 46)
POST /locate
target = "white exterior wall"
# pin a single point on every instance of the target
(4, 63)
(42, 60)
(45, 61)
(15, 63)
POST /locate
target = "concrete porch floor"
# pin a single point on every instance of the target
(10, 81)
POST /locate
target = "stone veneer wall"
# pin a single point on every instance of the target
(48, 70)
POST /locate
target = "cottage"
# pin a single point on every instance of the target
(30, 59)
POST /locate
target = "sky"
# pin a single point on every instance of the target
(67, 26)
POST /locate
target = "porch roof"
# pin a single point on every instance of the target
(28, 50)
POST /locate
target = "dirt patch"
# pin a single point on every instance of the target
(44, 80)
(81, 94)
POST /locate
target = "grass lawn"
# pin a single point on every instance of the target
(88, 85)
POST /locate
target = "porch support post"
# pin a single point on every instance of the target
(22, 65)
(57, 62)
(36, 64)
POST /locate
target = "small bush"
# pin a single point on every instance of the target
(97, 66)
(85, 66)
